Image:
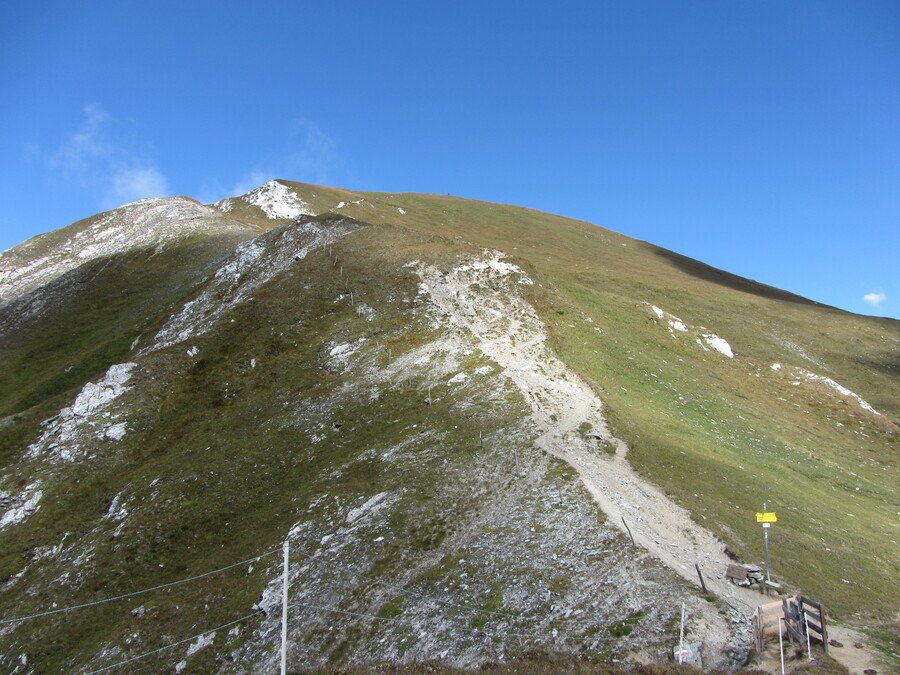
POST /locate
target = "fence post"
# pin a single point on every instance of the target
(700, 574)
(806, 624)
(760, 644)
(629, 530)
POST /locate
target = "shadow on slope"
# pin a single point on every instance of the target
(714, 275)
(72, 329)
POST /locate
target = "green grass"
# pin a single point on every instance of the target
(625, 626)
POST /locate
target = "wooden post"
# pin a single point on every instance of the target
(786, 613)
(629, 530)
(806, 625)
(700, 574)
(760, 637)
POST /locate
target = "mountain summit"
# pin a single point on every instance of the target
(480, 430)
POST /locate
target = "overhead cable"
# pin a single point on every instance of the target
(175, 644)
(401, 589)
(134, 593)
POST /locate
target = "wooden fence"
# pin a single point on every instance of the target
(796, 615)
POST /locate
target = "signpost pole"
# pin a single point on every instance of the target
(766, 536)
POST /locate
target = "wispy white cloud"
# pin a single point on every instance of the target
(213, 191)
(315, 157)
(105, 165)
(250, 181)
(85, 146)
(131, 183)
(311, 155)
(875, 298)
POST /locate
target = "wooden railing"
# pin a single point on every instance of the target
(800, 618)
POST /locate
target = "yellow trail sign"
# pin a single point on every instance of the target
(766, 517)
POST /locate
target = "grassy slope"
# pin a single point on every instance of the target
(236, 473)
(78, 339)
(729, 443)
(801, 463)
(218, 464)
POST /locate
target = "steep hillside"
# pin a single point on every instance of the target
(430, 399)
(802, 416)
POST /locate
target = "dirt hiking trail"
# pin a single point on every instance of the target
(482, 297)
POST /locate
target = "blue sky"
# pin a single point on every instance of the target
(761, 137)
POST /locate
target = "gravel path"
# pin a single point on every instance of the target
(482, 298)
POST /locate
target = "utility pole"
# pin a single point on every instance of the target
(681, 652)
(284, 611)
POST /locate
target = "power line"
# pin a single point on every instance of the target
(571, 637)
(401, 589)
(427, 596)
(134, 593)
(529, 636)
(317, 608)
(175, 644)
(361, 615)
(341, 611)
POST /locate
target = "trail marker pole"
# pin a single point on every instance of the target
(781, 645)
(681, 637)
(284, 611)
